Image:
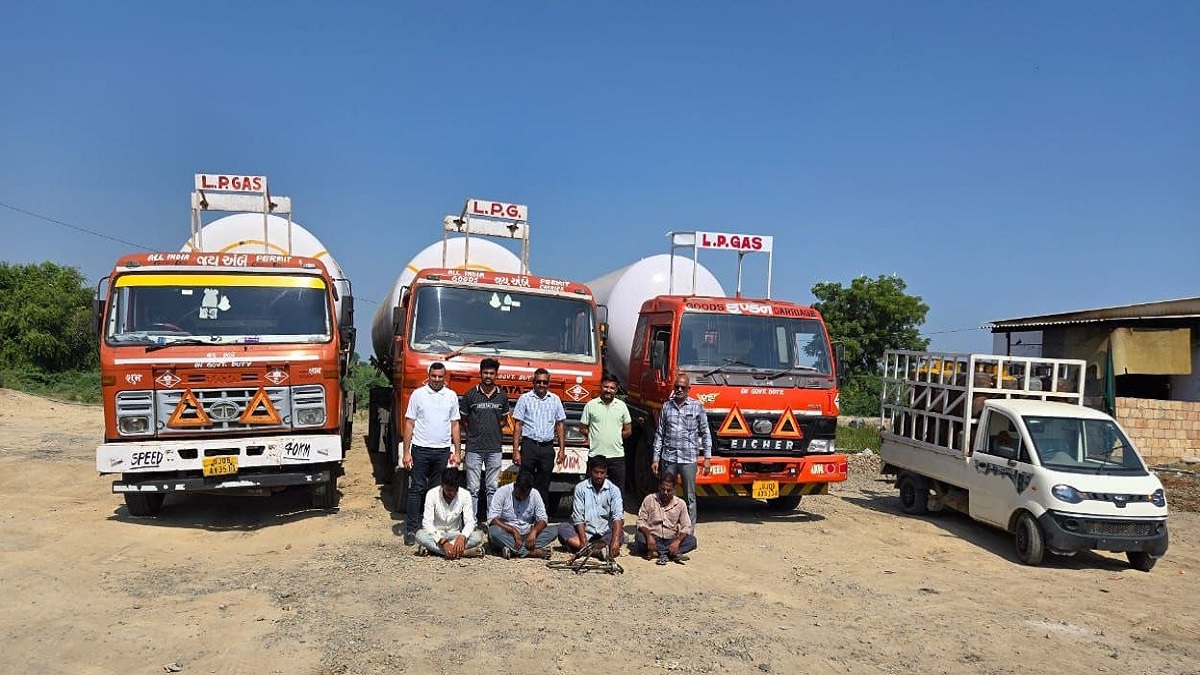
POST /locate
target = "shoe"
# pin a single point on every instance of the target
(679, 559)
(602, 553)
(410, 538)
(506, 553)
(662, 560)
(475, 552)
(421, 551)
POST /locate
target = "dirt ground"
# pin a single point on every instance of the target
(266, 585)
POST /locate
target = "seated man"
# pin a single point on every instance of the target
(596, 513)
(663, 525)
(517, 520)
(447, 516)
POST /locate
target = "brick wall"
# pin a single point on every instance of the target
(1164, 431)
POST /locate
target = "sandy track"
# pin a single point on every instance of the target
(252, 585)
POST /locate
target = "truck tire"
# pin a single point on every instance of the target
(144, 504)
(914, 495)
(1031, 545)
(1141, 561)
(325, 495)
(400, 491)
(784, 504)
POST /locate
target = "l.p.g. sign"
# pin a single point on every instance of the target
(230, 182)
(483, 208)
(756, 243)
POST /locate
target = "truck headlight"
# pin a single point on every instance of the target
(134, 425)
(1159, 498)
(310, 417)
(1066, 493)
(822, 445)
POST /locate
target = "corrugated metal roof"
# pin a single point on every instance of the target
(1184, 308)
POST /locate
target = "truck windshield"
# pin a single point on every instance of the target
(741, 342)
(150, 308)
(486, 321)
(1077, 445)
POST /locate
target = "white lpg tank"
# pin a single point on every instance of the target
(625, 290)
(486, 256)
(243, 233)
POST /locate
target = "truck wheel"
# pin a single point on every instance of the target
(914, 495)
(1141, 561)
(400, 491)
(1031, 546)
(325, 495)
(784, 504)
(143, 504)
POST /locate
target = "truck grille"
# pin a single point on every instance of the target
(225, 407)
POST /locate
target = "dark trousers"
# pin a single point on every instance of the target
(538, 461)
(638, 547)
(427, 468)
(616, 472)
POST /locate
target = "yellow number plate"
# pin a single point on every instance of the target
(506, 477)
(766, 489)
(220, 466)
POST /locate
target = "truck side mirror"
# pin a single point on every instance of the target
(97, 315)
(658, 354)
(839, 356)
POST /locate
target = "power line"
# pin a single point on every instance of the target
(74, 227)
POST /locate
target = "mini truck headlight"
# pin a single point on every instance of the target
(822, 445)
(1066, 493)
(1159, 498)
(134, 425)
(310, 417)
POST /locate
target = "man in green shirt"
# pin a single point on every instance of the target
(606, 423)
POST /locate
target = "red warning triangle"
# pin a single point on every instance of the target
(787, 426)
(259, 410)
(189, 413)
(735, 424)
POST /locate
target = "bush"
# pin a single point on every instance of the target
(71, 385)
(854, 438)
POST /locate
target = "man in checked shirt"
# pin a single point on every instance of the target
(681, 435)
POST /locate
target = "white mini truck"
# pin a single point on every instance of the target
(1008, 441)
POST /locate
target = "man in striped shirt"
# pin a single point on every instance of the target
(682, 433)
(537, 423)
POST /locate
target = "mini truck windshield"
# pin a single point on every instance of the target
(1075, 445)
(152, 308)
(739, 342)
(486, 321)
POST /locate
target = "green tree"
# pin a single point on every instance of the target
(360, 377)
(867, 318)
(45, 318)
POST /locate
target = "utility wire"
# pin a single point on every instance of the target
(74, 227)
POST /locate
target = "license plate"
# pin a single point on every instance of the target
(506, 477)
(220, 466)
(766, 489)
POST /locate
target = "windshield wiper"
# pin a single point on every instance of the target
(786, 371)
(726, 364)
(476, 343)
(182, 341)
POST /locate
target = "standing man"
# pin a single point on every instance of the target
(484, 408)
(537, 424)
(663, 526)
(430, 426)
(606, 424)
(517, 521)
(596, 512)
(681, 435)
(447, 527)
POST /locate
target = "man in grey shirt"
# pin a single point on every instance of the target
(517, 521)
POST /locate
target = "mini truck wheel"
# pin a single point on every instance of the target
(1031, 545)
(325, 495)
(914, 495)
(1141, 561)
(784, 504)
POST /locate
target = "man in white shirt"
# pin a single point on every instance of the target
(448, 527)
(430, 426)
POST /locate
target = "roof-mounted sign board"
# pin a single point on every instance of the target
(230, 183)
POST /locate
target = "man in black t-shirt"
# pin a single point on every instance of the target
(484, 409)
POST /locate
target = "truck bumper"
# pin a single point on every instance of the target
(248, 482)
(1070, 533)
(290, 451)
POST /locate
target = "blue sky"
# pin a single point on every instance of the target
(1005, 159)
